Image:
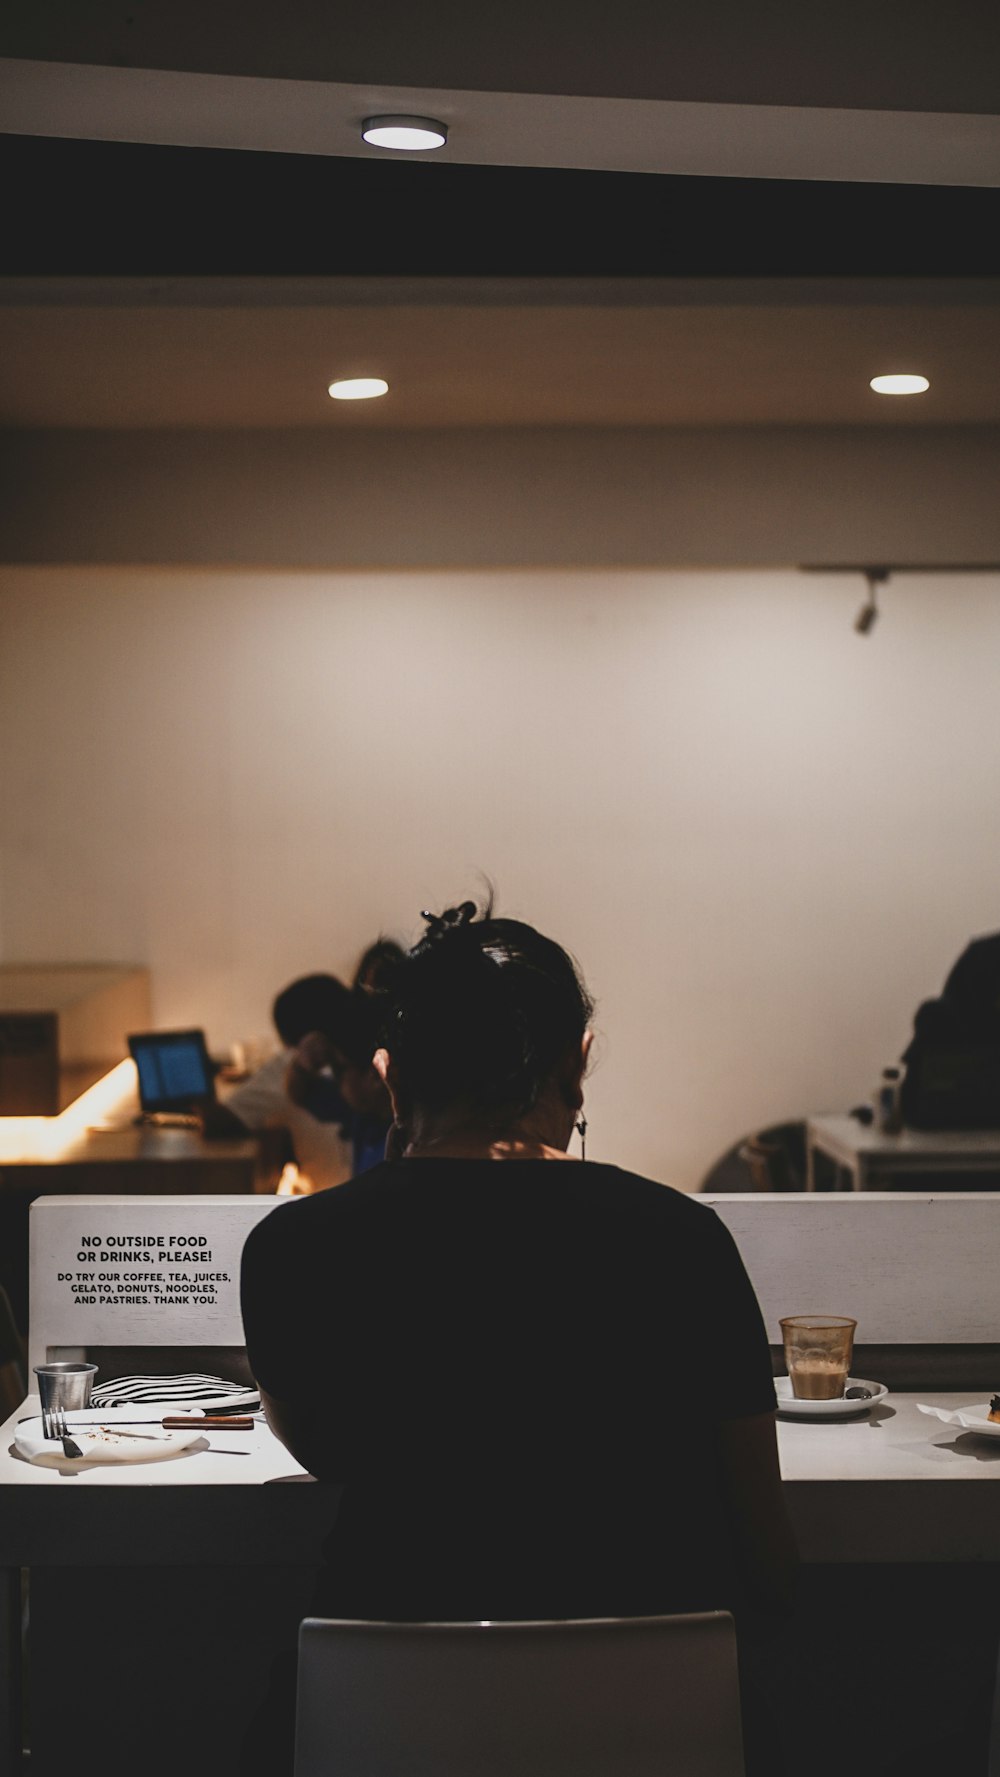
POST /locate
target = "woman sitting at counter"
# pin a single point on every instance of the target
(544, 1385)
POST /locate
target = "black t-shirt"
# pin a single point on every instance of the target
(522, 1366)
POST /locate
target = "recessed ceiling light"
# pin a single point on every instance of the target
(409, 133)
(359, 388)
(899, 385)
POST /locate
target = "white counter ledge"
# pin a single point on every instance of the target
(870, 1489)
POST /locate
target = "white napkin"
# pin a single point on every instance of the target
(974, 1418)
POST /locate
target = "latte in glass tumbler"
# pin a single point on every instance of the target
(818, 1351)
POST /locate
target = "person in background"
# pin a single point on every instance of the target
(321, 1150)
(378, 965)
(491, 1346)
(331, 1076)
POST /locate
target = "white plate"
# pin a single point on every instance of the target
(974, 1418)
(155, 1443)
(838, 1409)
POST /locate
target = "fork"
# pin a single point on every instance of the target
(54, 1426)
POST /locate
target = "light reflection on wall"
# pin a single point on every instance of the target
(48, 1138)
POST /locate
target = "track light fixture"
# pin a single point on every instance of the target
(867, 617)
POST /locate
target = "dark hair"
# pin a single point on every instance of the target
(313, 1002)
(377, 966)
(482, 1011)
(321, 1002)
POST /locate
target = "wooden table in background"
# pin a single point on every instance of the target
(141, 1160)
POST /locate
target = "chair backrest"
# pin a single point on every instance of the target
(629, 1697)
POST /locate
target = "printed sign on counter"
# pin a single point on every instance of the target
(137, 1270)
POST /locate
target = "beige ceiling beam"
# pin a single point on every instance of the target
(489, 128)
(503, 499)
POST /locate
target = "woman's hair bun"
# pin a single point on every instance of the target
(482, 1010)
(452, 919)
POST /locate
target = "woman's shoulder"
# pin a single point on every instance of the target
(638, 1182)
(650, 1196)
(301, 1219)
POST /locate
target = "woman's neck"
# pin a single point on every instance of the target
(538, 1135)
(482, 1148)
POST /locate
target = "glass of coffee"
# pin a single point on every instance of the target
(818, 1351)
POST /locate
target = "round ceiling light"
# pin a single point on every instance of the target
(899, 385)
(408, 133)
(359, 388)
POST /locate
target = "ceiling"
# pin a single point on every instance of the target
(186, 274)
(786, 91)
(922, 57)
(203, 356)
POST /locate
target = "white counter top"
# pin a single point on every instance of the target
(859, 1491)
(893, 1442)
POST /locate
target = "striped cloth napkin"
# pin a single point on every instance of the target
(195, 1390)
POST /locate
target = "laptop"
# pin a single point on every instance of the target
(174, 1068)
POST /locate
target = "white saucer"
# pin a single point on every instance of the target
(838, 1409)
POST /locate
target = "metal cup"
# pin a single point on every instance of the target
(65, 1385)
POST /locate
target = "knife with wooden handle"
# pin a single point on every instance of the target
(210, 1422)
(179, 1422)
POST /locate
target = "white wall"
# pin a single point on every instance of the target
(765, 837)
